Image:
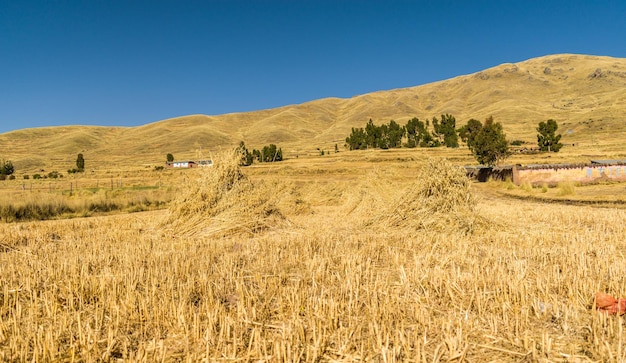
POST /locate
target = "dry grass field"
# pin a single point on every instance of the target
(360, 256)
(376, 255)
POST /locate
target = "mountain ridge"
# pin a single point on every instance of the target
(586, 94)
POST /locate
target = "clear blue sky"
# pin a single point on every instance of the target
(129, 63)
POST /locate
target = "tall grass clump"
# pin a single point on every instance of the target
(440, 199)
(221, 200)
(527, 187)
(32, 210)
(566, 188)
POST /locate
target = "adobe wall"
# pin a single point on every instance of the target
(582, 174)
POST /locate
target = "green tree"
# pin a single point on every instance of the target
(394, 134)
(170, 158)
(246, 157)
(357, 139)
(445, 131)
(427, 139)
(373, 134)
(257, 155)
(490, 146)
(80, 163)
(469, 132)
(412, 136)
(7, 168)
(547, 139)
(271, 153)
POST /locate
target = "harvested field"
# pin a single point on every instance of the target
(334, 277)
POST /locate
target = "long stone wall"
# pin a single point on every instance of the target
(577, 173)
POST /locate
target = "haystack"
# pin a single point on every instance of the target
(221, 201)
(440, 199)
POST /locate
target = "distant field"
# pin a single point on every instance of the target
(316, 259)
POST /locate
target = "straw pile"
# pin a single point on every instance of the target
(440, 199)
(222, 201)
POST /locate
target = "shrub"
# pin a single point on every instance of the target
(566, 188)
(36, 176)
(26, 177)
(527, 187)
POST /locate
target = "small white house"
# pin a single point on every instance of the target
(181, 164)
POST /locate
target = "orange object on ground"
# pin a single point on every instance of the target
(608, 304)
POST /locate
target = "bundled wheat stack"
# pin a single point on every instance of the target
(222, 201)
(440, 199)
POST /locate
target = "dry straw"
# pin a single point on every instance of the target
(374, 193)
(439, 199)
(221, 201)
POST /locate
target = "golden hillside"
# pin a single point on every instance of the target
(585, 94)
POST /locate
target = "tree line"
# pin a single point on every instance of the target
(486, 141)
(268, 154)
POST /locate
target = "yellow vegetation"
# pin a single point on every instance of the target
(321, 287)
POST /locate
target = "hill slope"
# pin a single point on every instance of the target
(585, 94)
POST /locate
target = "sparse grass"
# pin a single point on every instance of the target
(41, 205)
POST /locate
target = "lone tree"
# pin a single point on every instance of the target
(170, 158)
(80, 163)
(489, 145)
(547, 139)
(6, 168)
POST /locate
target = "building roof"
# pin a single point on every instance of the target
(609, 162)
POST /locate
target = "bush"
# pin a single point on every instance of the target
(36, 176)
(26, 177)
(566, 188)
(11, 177)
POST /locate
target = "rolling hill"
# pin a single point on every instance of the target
(585, 94)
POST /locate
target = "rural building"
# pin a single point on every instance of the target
(596, 170)
(189, 164)
(205, 163)
(181, 164)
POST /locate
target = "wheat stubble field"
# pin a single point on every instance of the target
(375, 256)
(336, 260)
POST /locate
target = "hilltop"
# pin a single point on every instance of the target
(585, 94)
